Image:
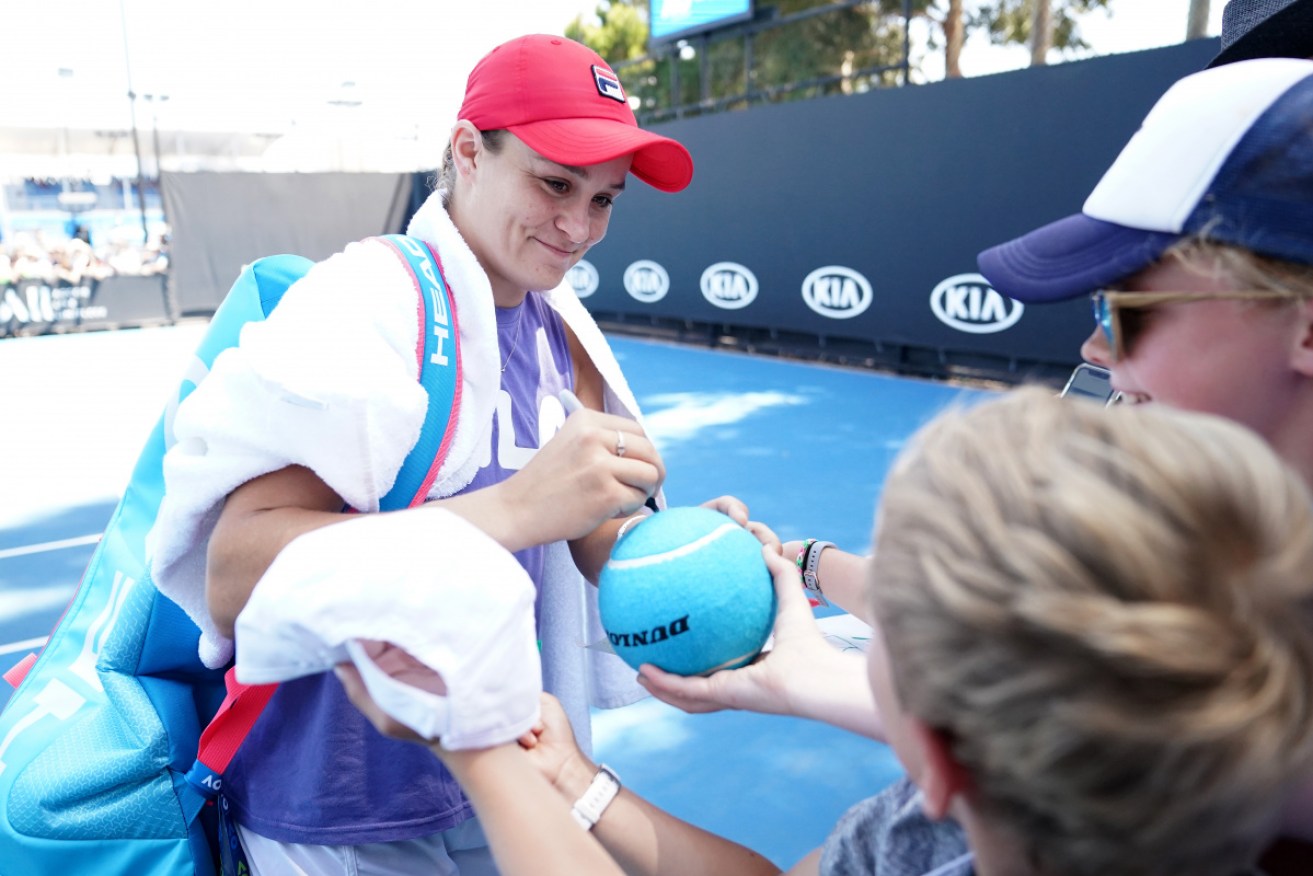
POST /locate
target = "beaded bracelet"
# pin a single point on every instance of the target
(808, 563)
(801, 560)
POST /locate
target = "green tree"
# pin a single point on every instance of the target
(1196, 25)
(619, 34)
(835, 44)
(825, 53)
(955, 36)
(822, 54)
(1014, 21)
(1003, 21)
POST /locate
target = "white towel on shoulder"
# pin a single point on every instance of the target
(331, 373)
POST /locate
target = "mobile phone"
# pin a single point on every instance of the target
(1092, 382)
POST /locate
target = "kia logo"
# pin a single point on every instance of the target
(646, 281)
(582, 278)
(968, 303)
(837, 292)
(729, 286)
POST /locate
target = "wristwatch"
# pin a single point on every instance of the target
(811, 566)
(593, 802)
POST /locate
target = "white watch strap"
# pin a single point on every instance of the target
(811, 578)
(593, 802)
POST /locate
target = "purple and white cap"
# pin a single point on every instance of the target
(1227, 153)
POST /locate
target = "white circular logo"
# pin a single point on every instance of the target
(729, 285)
(968, 303)
(582, 278)
(837, 292)
(646, 281)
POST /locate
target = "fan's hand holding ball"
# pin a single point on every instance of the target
(687, 590)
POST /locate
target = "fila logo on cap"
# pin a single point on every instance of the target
(608, 84)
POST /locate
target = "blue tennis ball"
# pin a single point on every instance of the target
(687, 590)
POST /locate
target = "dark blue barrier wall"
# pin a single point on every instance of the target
(856, 220)
(32, 307)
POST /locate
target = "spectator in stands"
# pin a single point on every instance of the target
(74, 263)
(76, 230)
(32, 259)
(155, 258)
(317, 408)
(1046, 573)
(124, 256)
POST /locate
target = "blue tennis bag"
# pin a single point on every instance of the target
(99, 767)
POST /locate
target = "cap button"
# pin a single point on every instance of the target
(556, 42)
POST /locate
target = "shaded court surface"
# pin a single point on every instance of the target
(806, 446)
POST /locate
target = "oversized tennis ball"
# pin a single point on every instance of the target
(687, 590)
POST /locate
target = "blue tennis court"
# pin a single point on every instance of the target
(805, 445)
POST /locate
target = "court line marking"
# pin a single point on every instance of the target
(23, 551)
(25, 645)
(44, 547)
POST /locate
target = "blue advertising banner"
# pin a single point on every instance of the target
(671, 19)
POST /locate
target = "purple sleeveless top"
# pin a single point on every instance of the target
(313, 769)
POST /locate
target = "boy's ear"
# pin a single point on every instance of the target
(941, 778)
(1302, 356)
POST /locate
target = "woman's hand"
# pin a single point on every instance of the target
(597, 467)
(762, 686)
(399, 665)
(552, 748)
(802, 675)
(737, 510)
(772, 683)
(571, 486)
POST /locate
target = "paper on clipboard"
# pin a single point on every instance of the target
(846, 632)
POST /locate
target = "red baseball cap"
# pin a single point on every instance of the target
(567, 104)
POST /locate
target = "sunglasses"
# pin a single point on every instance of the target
(1121, 314)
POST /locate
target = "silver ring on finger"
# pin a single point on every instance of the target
(619, 443)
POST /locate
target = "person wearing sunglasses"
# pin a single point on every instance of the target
(1196, 250)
